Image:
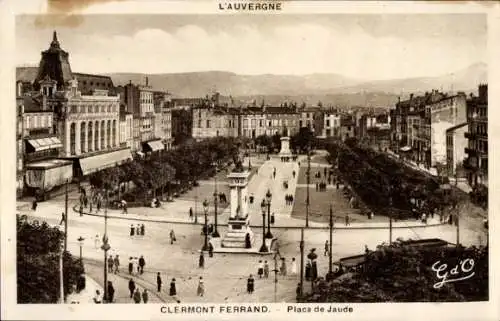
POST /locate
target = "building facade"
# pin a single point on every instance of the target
(455, 149)
(331, 124)
(476, 164)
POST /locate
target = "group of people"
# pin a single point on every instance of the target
(135, 293)
(321, 186)
(98, 298)
(159, 282)
(114, 264)
(263, 272)
(136, 265)
(289, 199)
(139, 230)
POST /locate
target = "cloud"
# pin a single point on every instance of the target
(283, 49)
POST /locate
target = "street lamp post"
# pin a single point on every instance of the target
(80, 242)
(269, 196)
(105, 247)
(263, 248)
(205, 209)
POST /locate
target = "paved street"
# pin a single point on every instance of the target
(225, 274)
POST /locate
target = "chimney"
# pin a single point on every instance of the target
(147, 81)
(130, 82)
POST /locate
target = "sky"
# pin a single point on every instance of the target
(368, 47)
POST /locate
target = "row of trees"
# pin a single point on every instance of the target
(382, 182)
(298, 143)
(38, 250)
(400, 273)
(158, 172)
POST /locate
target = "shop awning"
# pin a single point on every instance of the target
(154, 146)
(44, 143)
(99, 162)
(405, 148)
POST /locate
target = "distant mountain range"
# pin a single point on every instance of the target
(330, 89)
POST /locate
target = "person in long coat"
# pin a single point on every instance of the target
(260, 269)
(132, 230)
(308, 271)
(138, 229)
(117, 264)
(201, 287)
(142, 263)
(137, 296)
(172, 237)
(210, 250)
(130, 266)
(266, 269)
(111, 292)
(131, 287)
(283, 267)
(201, 263)
(158, 281)
(173, 290)
(143, 229)
(250, 284)
(111, 261)
(145, 296)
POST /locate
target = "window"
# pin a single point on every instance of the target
(72, 137)
(199, 123)
(83, 129)
(208, 123)
(328, 123)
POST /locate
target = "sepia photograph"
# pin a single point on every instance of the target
(183, 159)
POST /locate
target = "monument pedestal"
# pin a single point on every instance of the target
(285, 153)
(239, 221)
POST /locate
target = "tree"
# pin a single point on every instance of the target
(303, 139)
(38, 250)
(402, 273)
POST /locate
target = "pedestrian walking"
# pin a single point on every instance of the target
(327, 248)
(97, 297)
(266, 269)
(90, 206)
(63, 218)
(158, 281)
(138, 230)
(131, 287)
(173, 290)
(293, 267)
(145, 296)
(201, 287)
(132, 230)
(110, 264)
(308, 270)
(260, 269)
(201, 262)
(293, 174)
(142, 263)
(143, 229)
(111, 292)
(210, 249)
(137, 296)
(347, 220)
(96, 241)
(172, 237)
(81, 209)
(137, 267)
(34, 205)
(190, 213)
(283, 267)
(130, 265)
(116, 264)
(250, 284)
(124, 207)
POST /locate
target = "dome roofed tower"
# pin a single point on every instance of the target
(55, 64)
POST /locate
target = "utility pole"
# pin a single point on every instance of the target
(61, 279)
(308, 174)
(390, 220)
(66, 217)
(216, 232)
(105, 247)
(301, 261)
(330, 272)
(276, 275)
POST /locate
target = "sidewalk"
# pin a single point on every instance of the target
(86, 295)
(282, 221)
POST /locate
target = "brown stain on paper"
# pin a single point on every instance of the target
(66, 13)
